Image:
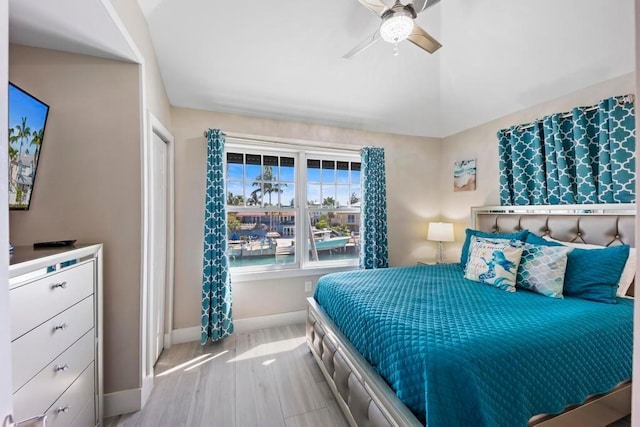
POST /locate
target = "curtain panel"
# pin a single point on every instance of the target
(374, 251)
(583, 157)
(217, 320)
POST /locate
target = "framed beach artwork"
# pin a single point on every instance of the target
(464, 175)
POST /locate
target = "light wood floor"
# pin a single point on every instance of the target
(261, 378)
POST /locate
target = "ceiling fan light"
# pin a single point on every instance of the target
(396, 28)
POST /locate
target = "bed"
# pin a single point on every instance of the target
(367, 344)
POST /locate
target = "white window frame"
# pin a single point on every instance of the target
(301, 266)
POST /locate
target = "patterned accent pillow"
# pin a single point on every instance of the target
(494, 261)
(466, 246)
(542, 269)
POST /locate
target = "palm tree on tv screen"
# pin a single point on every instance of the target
(24, 132)
(36, 139)
(13, 153)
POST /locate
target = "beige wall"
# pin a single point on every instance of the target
(88, 182)
(156, 96)
(412, 172)
(481, 143)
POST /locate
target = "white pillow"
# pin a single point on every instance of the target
(494, 261)
(573, 244)
(628, 273)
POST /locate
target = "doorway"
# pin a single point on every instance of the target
(158, 244)
(159, 283)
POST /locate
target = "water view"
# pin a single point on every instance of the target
(263, 215)
(264, 238)
(287, 259)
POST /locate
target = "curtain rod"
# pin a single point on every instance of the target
(620, 100)
(291, 143)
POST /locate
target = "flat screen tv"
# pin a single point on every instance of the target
(27, 120)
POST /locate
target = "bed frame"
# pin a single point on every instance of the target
(367, 400)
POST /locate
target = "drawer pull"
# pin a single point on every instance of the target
(63, 409)
(60, 327)
(60, 285)
(62, 368)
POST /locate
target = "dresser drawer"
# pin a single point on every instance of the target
(40, 300)
(87, 416)
(43, 389)
(70, 405)
(33, 351)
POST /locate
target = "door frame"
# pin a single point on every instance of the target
(635, 400)
(6, 404)
(158, 215)
(156, 127)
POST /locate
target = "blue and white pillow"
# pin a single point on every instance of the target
(494, 261)
(542, 269)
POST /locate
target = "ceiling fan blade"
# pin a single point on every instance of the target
(422, 5)
(420, 38)
(363, 45)
(376, 6)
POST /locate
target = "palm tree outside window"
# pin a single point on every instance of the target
(288, 209)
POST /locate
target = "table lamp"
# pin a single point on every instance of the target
(440, 232)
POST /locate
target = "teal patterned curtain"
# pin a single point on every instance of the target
(373, 219)
(521, 152)
(217, 322)
(585, 157)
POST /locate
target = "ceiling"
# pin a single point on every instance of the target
(503, 56)
(283, 59)
(78, 26)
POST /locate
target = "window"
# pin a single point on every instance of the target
(292, 208)
(333, 194)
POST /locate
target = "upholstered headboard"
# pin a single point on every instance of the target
(605, 225)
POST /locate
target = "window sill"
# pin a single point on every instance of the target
(254, 276)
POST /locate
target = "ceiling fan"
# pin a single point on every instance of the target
(397, 25)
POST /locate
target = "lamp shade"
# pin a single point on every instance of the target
(440, 232)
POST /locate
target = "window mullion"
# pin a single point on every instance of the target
(301, 223)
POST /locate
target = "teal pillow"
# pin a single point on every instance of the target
(534, 239)
(464, 256)
(594, 274)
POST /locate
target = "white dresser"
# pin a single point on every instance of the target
(56, 334)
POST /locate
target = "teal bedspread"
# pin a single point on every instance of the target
(461, 353)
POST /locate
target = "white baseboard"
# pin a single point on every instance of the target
(179, 336)
(147, 388)
(272, 321)
(122, 402)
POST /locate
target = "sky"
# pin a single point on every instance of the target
(22, 105)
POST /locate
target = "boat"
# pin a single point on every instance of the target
(332, 243)
(241, 248)
(326, 242)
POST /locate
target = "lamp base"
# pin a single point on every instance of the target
(440, 259)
